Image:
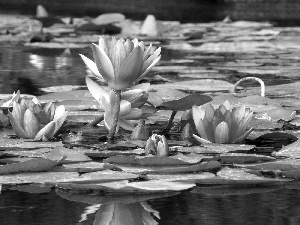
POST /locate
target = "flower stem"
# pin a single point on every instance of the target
(116, 111)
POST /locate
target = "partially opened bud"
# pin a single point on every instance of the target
(157, 145)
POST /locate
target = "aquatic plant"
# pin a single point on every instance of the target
(157, 145)
(131, 103)
(30, 120)
(120, 63)
(226, 124)
(140, 132)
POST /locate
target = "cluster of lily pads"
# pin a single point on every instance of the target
(153, 164)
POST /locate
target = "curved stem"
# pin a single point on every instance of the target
(116, 111)
(262, 84)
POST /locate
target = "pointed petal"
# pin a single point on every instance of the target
(151, 59)
(128, 47)
(104, 64)
(17, 126)
(17, 112)
(59, 112)
(130, 69)
(222, 133)
(91, 66)
(107, 120)
(200, 140)
(47, 131)
(125, 108)
(60, 122)
(147, 52)
(118, 57)
(147, 70)
(30, 124)
(96, 90)
(243, 137)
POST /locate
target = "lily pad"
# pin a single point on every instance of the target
(205, 166)
(85, 167)
(178, 159)
(71, 155)
(215, 148)
(283, 165)
(239, 158)
(46, 177)
(291, 151)
(125, 186)
(31, 165)
(31, 188)
(185, 103)
(232, 176)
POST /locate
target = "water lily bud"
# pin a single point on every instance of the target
(157, 145)
(162, 146)
(187, 132)
(140, 132)
(150, 148)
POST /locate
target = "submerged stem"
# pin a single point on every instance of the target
(116, 111)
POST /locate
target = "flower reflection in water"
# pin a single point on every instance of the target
(138, 213)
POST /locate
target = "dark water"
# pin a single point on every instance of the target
(205, 206)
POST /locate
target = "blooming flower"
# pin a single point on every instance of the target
(120, 63)
(131, 105)
(157, 145)
(225, 124)
(30, 120)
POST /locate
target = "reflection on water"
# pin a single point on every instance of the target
(29, 70)
(205, 206)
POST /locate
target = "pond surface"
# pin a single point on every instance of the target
(30, 70)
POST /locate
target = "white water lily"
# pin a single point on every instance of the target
(121, 62)
(130, 106)
(225, 124)
(30, 120)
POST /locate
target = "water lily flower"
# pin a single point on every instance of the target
(157, 145)
(30, 120)
(225, 124)
(131, 105)
(121, 62)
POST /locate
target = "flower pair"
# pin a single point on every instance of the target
(121, 62)
(157, 145)
(226, 124)
(30, 120)
(131, 105)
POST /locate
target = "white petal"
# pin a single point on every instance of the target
(91, 66)
(96, 90)
(201, 140)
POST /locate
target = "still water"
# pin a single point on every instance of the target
(30, 70)
(200, 206)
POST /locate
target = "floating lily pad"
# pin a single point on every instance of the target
(85, 167)
(185, 103)
(239, 177)
(284, 165)
(46, 177)
(205, 166)
(31, 165)
(291, 151)
(70, 155)
(178, 159)
(240, 158)
(125, 186)
(215, 148)
(31, 188)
